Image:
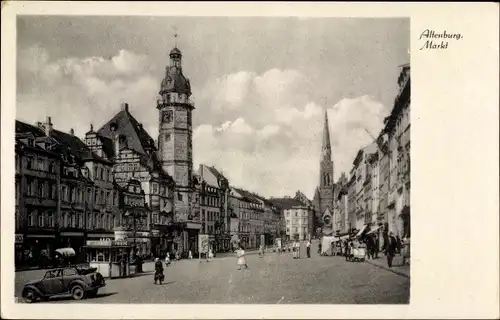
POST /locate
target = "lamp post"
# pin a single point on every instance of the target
(134, 214)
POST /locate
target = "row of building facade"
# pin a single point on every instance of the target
(375, 195)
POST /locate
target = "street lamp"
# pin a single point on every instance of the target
(134, 214)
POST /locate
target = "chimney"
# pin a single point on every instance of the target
(125, 107)
(48, 126)
(72, 132)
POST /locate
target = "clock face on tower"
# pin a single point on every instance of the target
(167, 116)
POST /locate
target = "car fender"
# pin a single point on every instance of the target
(31, 287)
(78, 282)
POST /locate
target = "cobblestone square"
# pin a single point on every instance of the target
(275, 278)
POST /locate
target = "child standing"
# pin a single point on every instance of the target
(242, 261)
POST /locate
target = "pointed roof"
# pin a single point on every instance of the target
(76, 146)
(286, 203)
(126, 125)
(326, 134)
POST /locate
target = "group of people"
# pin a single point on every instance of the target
(392, 245)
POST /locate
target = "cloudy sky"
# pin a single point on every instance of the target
(261, 85)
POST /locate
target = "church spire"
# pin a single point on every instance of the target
(326, 148)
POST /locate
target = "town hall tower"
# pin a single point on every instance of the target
(175, 134)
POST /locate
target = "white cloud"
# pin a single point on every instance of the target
(78, 91)
(283, 154)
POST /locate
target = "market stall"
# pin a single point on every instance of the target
(109, 257)
(326, 245)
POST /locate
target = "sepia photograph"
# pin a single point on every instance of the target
(242, 160)
(212, 160)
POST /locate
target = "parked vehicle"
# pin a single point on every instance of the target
(77, 282)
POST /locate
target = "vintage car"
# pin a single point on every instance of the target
(77, 282)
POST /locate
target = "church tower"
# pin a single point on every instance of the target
(324, 193)
(326, 164)
(175, 133)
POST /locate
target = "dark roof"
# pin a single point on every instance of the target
(175, 81)
(70, 142)
(175, 51)
(107, 146)
(76, 146)
(216, 173)
(22, 127)
(248, 196)
(137, 137)
(286, 203)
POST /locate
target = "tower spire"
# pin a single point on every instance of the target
(326, 147)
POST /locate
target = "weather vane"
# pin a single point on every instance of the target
(175, 35)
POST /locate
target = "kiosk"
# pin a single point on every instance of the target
(109, 257)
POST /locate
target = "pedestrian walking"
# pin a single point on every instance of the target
(399, 244)
(298, 249)
(391, 249)
(308, 248)
(159, 276)
(190, 255)
(242, 261)
(167, 259)
(210, 254)
(261, 251)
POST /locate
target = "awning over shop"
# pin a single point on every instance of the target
(66, 252)
(360, 232)
(373, 230)
(344, 237)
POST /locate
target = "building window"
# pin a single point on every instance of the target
(40, 190)
(41, 164)
(31, 219)
(41, 220)
(29, 162)
(50, 220)
(179, 196)
(65, 219)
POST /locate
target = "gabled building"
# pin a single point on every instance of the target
(213, 202)
(125, 142)
(296, 215)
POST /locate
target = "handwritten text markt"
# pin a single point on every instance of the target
(437, 44)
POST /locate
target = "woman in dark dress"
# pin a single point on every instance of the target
(159, 271)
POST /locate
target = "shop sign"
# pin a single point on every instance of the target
(101, 242)
(19, 238)
(120, 243)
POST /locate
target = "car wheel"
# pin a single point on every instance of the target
(77, 292)
(30, 296)
(92, 293)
